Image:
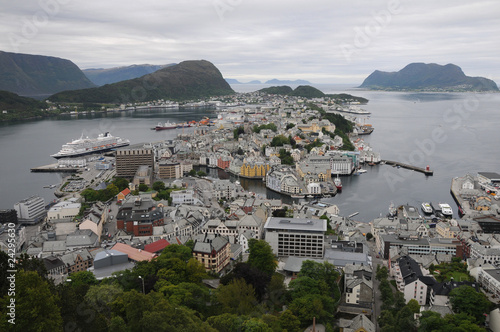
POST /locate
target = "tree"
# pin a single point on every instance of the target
(80, 278)
(261, 256)
(100, 297)
(289, 321)
(120, 183)
(35, 306)
(467, 300)
(237, 297)
(413, 306)
(226, 322)
(159, 186)
(279, 140)
(369, 236)
(201, 174)
(192, 172)
(143, 187)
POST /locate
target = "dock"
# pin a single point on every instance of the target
(426, 170)
(53, 168)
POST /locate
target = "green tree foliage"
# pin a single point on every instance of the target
(252, 276)
(82, 278)
(381, 273)
(316, 143)
(35, 305)
(101, 195)
(465, 299)
(120, 183)
(261, 256)
(290, 125)
(159, 186)
(192, 172)
(237, 132)
(280, 140)
(201, 174)
(237, 297)
(413, 306)
(369, 236)
(286, 157)
(270, 126)
(100, 297)
(143, 187)
(289, 322)
(432, 321)
(227, 322)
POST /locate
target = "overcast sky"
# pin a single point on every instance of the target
(323, 41)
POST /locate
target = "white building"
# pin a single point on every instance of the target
(299, 237)
(65, 210)
(30, 208)
(182, 197)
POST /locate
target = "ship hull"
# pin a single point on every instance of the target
(84, 153)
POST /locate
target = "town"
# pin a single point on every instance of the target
(124, 207)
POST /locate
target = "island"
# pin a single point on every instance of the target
(427, 77)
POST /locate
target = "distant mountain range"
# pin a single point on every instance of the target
(427, 77)
(186, 80)
(117, 74)
(273, 81)
(38, 75)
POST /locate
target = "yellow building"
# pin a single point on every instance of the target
(254, 170)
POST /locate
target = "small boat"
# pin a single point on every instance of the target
(427, 208)
(446, 209)
(360, 171)
(338, 183)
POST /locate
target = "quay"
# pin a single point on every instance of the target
(52, 168)
(426, 170)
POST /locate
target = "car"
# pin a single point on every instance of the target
(378, 256)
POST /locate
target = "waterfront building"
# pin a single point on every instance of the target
(254, 169)
(282, 179)
(129, 159)
(30, 209)
(299, 237)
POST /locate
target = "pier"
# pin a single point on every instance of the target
(426, 170)
(54, 168)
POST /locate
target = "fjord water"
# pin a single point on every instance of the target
(453, 133)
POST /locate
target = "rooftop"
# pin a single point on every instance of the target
(297, 224)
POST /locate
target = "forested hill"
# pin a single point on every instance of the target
(38, 75)
(186, 80)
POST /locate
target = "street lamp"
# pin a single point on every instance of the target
(143, 292)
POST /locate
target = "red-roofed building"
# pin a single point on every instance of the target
(157, 246)
(123, 194)
(134, 254)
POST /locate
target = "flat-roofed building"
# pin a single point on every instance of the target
(299, 237)
(30, 209)
(128, 160)
(170, 169)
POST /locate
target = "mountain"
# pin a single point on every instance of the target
(38, 75)
(307, 91)
(277, 90)
(186, 80)
(232, 81)
(428, 77)
(254, 82)
(117, 74)
(15, 107)
(276, 81)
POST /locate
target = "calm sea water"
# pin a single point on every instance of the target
(453, 133)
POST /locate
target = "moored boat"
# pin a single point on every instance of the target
(427, 208)
(83, 146)
(338, 183)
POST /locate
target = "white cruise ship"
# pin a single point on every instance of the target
(83, 146)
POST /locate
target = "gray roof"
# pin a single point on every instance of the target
(82, 238)
(294, 264)
(297, 224)
(208, 245)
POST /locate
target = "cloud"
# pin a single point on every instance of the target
(318, 40)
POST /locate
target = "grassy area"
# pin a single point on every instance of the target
(457, 276)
